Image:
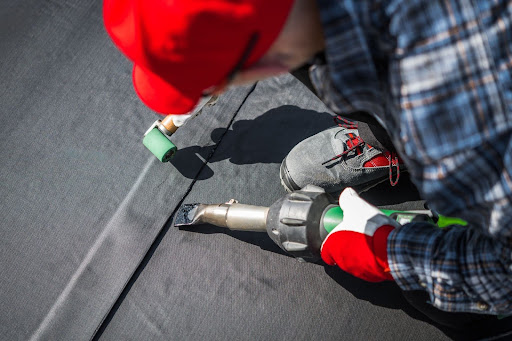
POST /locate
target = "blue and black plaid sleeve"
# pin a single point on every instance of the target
(437, 74)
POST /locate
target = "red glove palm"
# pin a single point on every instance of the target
(358, 245)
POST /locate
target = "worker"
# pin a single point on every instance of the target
(423, 86)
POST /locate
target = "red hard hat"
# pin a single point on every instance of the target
(182, 47)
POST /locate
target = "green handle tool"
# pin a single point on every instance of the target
(298, 222)
(156, 138)
(333, 216)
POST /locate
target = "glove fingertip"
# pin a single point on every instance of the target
(347, 195)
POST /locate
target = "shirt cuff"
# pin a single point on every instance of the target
(409, 252)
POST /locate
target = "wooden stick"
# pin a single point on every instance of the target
(168, 123)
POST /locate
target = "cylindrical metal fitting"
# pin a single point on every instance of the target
(235, 216)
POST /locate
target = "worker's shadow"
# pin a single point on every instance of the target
(266, 139)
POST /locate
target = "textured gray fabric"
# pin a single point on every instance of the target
(81, 198)
(84, 241)
(207, 283)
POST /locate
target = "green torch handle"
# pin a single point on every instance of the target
(334, 215)
(447, 221)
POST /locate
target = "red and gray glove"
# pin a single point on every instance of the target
(358, 245)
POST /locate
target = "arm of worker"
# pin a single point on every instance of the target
(461, 268)
(468, 268)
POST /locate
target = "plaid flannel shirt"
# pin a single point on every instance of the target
(437, 75)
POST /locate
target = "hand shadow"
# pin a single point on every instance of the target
(260, 239)
(266, 139)
(386, 294)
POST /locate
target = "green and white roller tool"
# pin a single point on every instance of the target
(156, 138)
